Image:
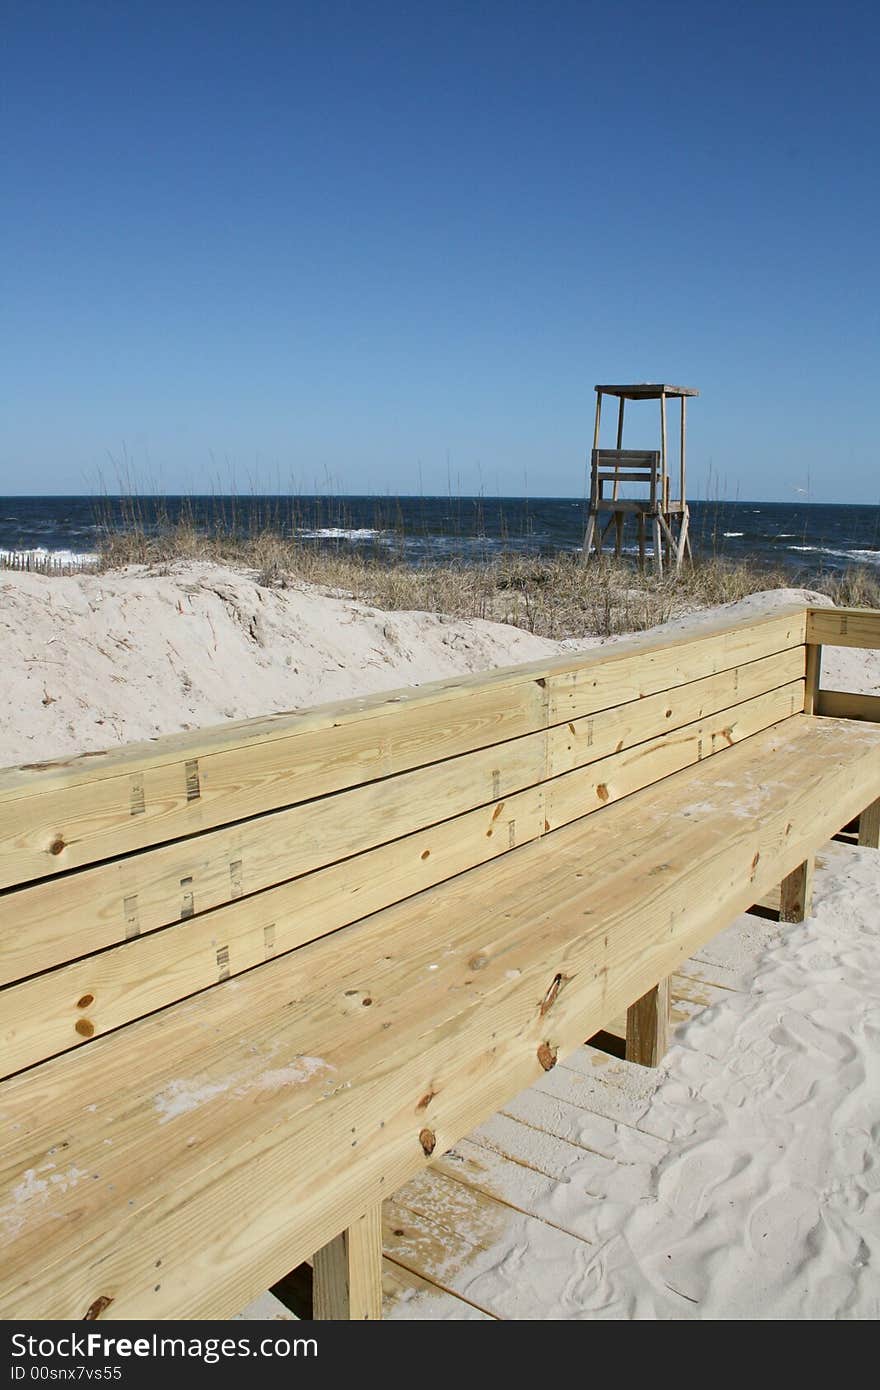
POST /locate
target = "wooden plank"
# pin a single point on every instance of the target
(613, 465)
(869, 826)
(796, 893)
(586, 738)
(587, 789)
(426, 1248)
(348, 1272)
(840, 704)
(118, 900)
(613, 457)
(647, 1026)
(682, 465)
(114, 902)
(63, 1009)
(608, 683)
(55, 830)
(80, 810)
(647, 391)
(683, 546)
(107, 990)
(449, 1225)
(403, 1285)
(844, 627)
(621, 406)
(628, 477)
(207, 1143)
(632, 504)
(813, 676)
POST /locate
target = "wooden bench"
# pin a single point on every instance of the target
(256, 977)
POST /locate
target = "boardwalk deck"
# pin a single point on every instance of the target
(438, 1226)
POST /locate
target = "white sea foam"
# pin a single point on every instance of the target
(734, 533)
(868, 557)
(38, 557)
(340, 533)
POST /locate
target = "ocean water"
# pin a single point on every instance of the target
(805, 538)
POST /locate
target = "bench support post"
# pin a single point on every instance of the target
(796, 896)
(813, 674)
(869, 825)
(348, 1273)
(647, 1026)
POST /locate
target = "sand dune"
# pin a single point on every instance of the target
(95, 660)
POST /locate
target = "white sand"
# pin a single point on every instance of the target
(89, 660)
(94, 660)
(741, 1179)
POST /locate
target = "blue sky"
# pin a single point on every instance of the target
(391, 247)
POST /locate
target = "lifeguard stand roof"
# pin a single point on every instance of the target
(647, 391)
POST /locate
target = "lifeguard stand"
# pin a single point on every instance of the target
(669, 518)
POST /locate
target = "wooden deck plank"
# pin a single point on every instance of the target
(451, 1230)
(221, 1114)
(405, 1293)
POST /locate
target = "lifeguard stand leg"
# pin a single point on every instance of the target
(658, 546)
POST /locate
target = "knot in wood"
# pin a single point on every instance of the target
(552, 993)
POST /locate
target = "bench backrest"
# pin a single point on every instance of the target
(134, 878)
(629, 459)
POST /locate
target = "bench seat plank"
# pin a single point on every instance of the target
(182, 1164)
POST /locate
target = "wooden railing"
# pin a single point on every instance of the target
(840, 627)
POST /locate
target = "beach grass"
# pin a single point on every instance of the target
(554, 596)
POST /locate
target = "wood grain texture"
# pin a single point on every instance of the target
(247, 1127)
(869, 825)
(68, 1007)
(647, 1026)
(796, 893)
(348, 1272)
(813, 676)
(76, 811)
(840, 704)
(844, 627)
(66, 917)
